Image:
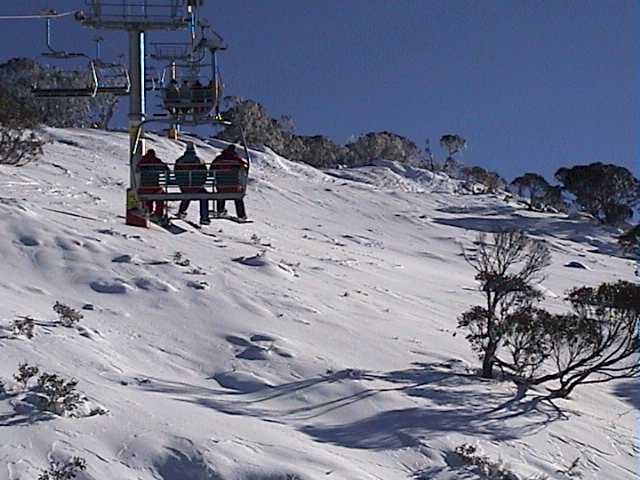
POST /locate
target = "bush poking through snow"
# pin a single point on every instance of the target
(25, 373)
(23, 326)
(20, 133)
(572, 471)
(19, 147)
(180, 260)
(68, 316)
(60, 396)
(64, 470)
(630, 241)
(482, 465)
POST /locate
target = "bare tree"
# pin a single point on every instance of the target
(507, 265)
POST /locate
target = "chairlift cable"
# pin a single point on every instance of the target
(37, 17)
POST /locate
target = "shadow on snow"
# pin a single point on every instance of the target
(453, 402)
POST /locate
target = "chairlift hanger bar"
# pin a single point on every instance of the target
(51, 51)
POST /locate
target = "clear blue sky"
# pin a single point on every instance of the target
(532, 85)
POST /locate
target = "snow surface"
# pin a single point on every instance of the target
(316, 342)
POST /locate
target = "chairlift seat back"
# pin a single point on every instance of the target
(153, 176)
(190, 176)
(229, 177)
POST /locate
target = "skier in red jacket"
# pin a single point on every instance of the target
(151, 163)
(229, 159)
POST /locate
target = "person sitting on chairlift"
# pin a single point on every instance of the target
(173, 95)
(229, 157)
(199, 96)
(152, 164)
(185, 96)
(191, 175)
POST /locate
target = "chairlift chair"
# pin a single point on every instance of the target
(216, 183)
(132, 14)
(191, 102)
(112, 78)
(89, 90)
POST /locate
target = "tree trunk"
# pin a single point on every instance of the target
(488, 360)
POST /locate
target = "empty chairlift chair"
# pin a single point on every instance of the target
(69, 84)
(112, 78)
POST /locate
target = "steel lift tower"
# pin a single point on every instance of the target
(137, 17)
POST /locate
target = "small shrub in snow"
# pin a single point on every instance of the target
(573, 470)
(20, 134)
(630, 241)
(25, 373)
(180, 260)
(482, 465)
(23, 326)
(67, 315)
(64, 470)
(60, 396)
(19, 147)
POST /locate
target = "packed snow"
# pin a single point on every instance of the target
(317, 342)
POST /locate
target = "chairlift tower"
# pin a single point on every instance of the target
(137, 17)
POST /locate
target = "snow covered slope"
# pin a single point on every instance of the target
(314, 343)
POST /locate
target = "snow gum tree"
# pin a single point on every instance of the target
(596, 343)
(531, 186)
(490, 181)
(605, 191)
(20, 133)
(386, 145)
(453, 144)
(508, 264)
